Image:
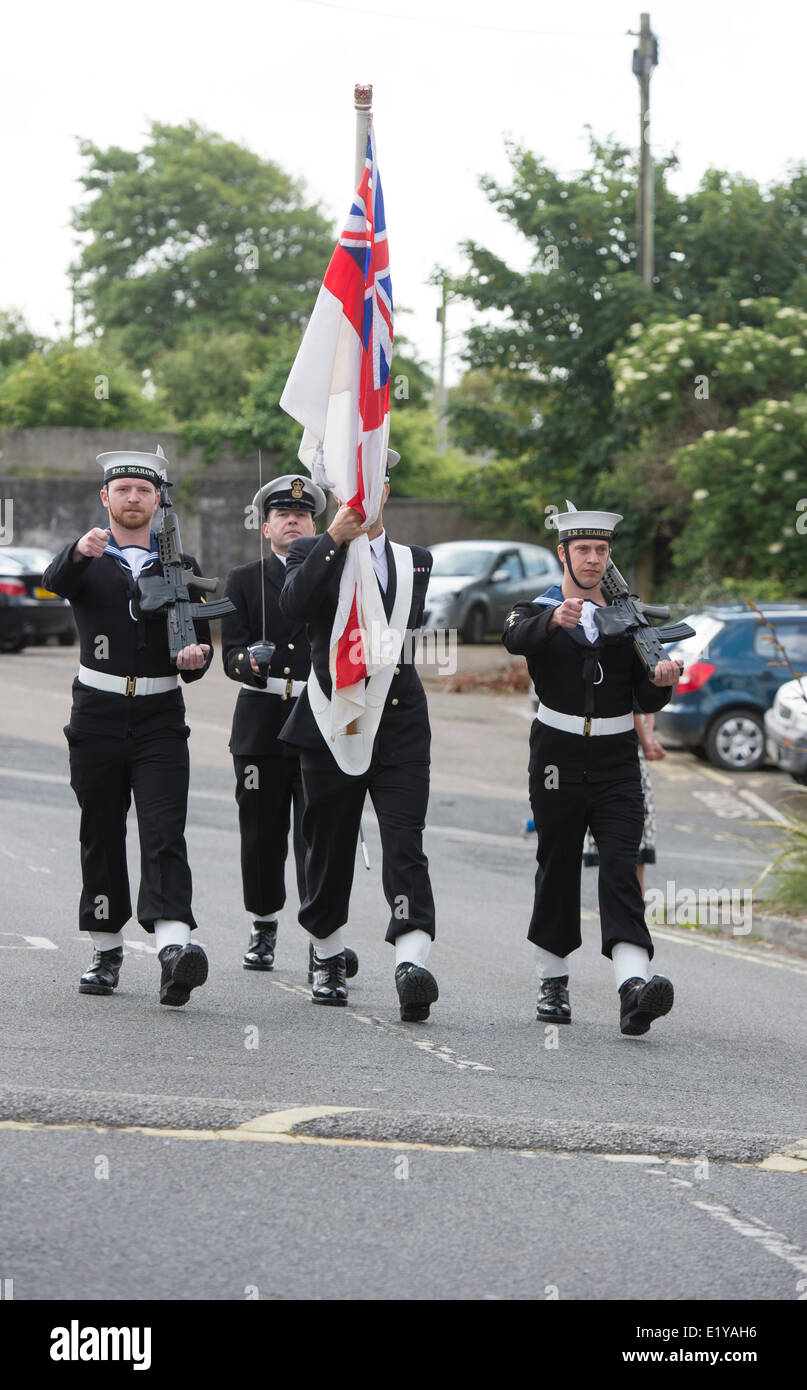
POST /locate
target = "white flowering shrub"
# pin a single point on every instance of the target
(666, 371)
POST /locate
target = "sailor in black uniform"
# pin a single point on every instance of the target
(584, 772)
(127, 733)
(391, 747)
(267, 774)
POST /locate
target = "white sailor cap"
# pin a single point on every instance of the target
(573, 525)
(292, 493)
(393, 457)
(125, 464)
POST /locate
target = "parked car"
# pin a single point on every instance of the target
(28, 612)
(474, 584)
(786, 729)
(732, 672)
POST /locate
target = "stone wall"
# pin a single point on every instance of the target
(52, 479)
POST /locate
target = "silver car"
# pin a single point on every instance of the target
(786, 729)
(474, 584)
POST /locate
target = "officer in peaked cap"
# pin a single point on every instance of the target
(127, 733)
(267, 776)
(584, 773)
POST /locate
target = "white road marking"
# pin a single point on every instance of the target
(432, 1049)
(772, 1241)
(721, 803)
(52, 777)
(32, 943)
(631, 1158)
(18, 859)
(725, 949)
(283, 1121)
(765, 807)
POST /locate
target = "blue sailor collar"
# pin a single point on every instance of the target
(553, 598)
(113, 549)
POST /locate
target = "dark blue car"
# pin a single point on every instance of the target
(732, 671)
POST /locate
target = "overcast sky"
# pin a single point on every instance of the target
(452, 78)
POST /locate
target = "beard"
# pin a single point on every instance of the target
(130, 519)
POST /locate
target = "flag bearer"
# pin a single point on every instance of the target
(393, 741)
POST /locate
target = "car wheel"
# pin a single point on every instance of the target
(474, 628)
(736, 741)
(67, 639)
(17, 646)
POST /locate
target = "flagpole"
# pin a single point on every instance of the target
(363, 102)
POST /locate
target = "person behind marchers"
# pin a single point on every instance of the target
(267, 772)
(584, 773)
(127, 733)
(397, 763)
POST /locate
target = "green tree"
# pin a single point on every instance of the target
(68, 385)
(719, 437)
(544, 341)
(748, 516)
(16, 339)
(194, 230)
(209, 372)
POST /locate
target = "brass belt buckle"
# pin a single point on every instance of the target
(131, 682)
(586, 724)
(287, 695)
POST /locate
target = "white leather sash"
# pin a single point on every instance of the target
(353, 752)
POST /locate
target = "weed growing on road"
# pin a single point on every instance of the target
(789, 868)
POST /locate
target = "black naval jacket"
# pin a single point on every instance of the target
(310, 594)
(104, 597)
(258, 719)
(565, 668)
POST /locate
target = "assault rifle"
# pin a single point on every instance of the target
(168, 593)
(627, 616)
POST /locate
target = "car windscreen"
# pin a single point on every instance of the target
(34, 561)
(536, 560)
(11, 564)
(456, 562)
(790, 640)
(706, 630)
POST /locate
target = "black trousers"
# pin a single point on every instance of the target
(614, 811)
(333, 807)
(266, 789)
(105, 773)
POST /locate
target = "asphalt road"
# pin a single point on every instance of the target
(477, 1156)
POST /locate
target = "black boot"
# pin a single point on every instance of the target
(329, 985)
(102, 976)
(642, 1001)
(351, 963)
(553, 1000)
(184, 967)
(417, 991)
(262, 942)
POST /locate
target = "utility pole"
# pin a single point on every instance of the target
(645, 58)
(441, 379)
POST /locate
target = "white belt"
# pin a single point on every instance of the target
(275, 686)
(584, 723)
(127, 685)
